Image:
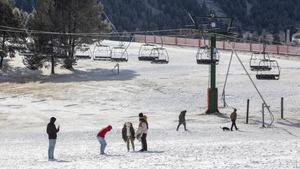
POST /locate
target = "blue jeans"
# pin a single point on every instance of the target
(102, 143)
(52, 143)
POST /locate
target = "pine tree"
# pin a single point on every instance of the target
(66, 16)
(8, 19)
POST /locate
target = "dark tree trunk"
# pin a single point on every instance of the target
(1, 62)
(3, 50)
(52, 64)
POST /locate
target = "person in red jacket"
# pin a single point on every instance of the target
(101, 138)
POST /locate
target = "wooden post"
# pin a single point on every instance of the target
(247, 113)
(263, 115)
(281, 107)
(199, 43)
(118, 69)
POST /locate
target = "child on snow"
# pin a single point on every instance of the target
(128, 135)
(101, 138)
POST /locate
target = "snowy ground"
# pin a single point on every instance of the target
(93, 97)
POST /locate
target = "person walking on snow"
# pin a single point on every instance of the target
(141, 133)
(52, 135)
(182, 120)
(101, 138)
(128, 135)
(233, 117)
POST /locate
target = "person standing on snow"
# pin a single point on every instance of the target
(128, 135)
(141, 133)
(233, 117)
(52, 135)
(101, 138)
(182, 120)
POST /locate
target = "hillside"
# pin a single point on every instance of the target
(255, 16)
(153, 14)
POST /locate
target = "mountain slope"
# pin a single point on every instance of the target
(250, 15)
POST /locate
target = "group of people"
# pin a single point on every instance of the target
(128, 133)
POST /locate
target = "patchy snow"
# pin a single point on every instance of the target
(94, 96)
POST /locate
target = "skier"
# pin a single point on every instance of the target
(141, 133)
(128, 135)
(52, 135)
(182, 120)
(233, 117)
(101, 138)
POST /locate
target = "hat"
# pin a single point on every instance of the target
(109, 127)
(52, 119)
(184, 111)
(141, 115)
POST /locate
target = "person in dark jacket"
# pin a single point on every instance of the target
(101, 138)
(233, 117)
(182, 120)
(128, 135)
(52, 135)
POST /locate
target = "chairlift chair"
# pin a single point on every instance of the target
(160, 54)
(273, 74)
(260, 62)
(203, 56)
(145, 52)
(119, 54)
(83, 52)
(102, 53)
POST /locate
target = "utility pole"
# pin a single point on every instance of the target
(213, 90)
(213, 31)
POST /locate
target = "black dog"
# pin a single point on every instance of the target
(225, 128)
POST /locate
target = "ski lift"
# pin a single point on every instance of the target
(272, 74)
(145, 52)
(102, 52)
(83, 52)
(260, 62)
(119, 54)
(160, 54)
(203, 56)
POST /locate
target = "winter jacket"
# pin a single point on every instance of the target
(125, 129)
(103, 132)
(233, 116)
(143, 127)
(182, 117)
(51, 130)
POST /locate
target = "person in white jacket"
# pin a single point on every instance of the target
(141, 133)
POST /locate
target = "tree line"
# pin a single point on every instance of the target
(63, 16)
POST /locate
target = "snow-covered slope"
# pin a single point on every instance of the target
(94, 96)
